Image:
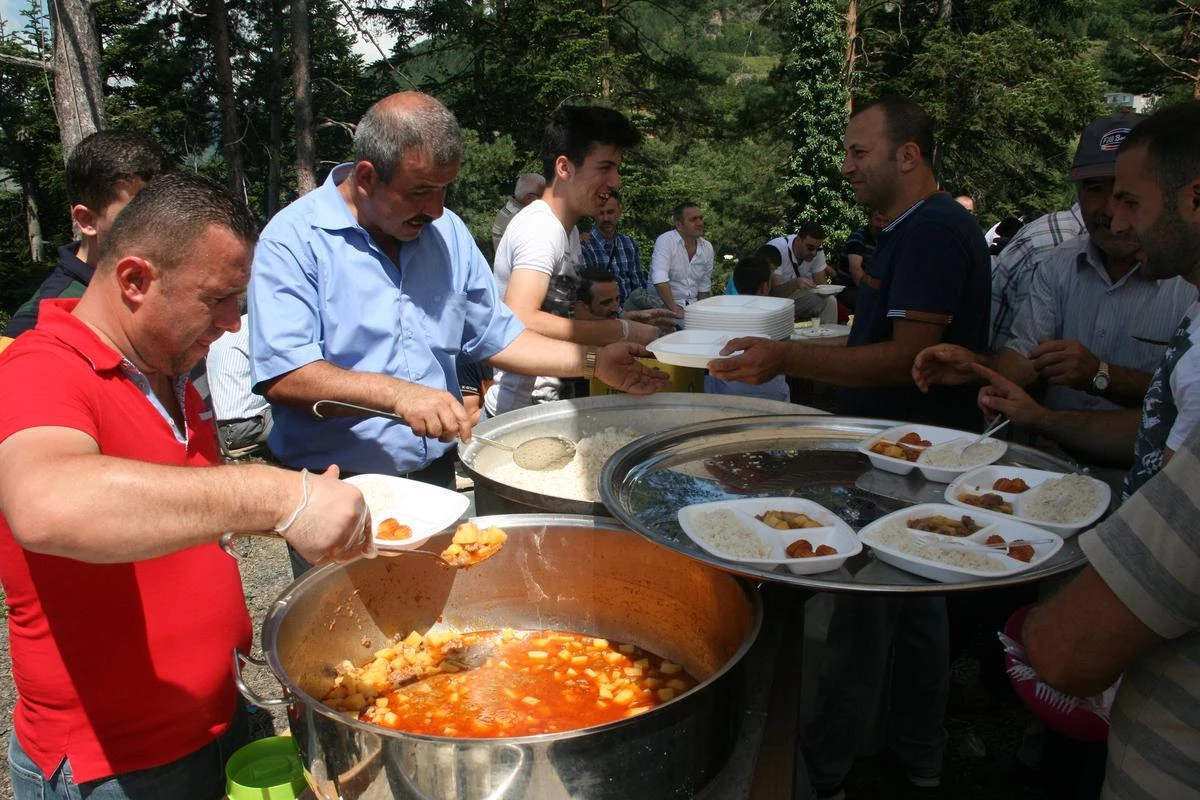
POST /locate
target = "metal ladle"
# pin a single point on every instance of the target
(538, 454)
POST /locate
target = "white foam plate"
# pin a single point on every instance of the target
(828, 288)
(823, 332)
(833, 532)
(425, 508)
(979, 481)
(945, 572)
(739, 304)
(691, 348)
(931, 434)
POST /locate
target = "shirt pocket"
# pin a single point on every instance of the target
(444, 320)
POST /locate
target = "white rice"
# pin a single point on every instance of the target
(1071, 498)
(725, 531)
(894, 535)
(946, 455)
(580, 478)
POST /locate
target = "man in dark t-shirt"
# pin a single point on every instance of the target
(104, 172)
(927, 282)
(930, 267)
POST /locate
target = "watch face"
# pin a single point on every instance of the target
(1100, 382)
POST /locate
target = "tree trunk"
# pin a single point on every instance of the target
(275, 107)
(231, 147)
(851, 47)
(78, 89)
(33, 228)
(306, 157)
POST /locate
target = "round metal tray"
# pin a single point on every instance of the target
(581, 417)
(645, 483)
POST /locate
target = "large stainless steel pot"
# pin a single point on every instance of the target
(558, 572)
(576, 419)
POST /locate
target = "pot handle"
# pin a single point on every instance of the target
(240, 658)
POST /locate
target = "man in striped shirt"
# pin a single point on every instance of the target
(1135, 610)
(1014, 272)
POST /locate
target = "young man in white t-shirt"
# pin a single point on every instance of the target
(539, 256)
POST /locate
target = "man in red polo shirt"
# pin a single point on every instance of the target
(123, 609)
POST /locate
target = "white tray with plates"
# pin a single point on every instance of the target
(980, 482)
(988, 451)
(424, 508)
(953, 559)
(740, 518)
(691, 348)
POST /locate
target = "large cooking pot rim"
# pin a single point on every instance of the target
(275, 613)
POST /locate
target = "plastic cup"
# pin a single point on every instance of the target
(268, 769)
(816, 323)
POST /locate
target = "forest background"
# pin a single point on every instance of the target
(742, 104)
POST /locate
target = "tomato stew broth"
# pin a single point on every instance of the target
(533, 682)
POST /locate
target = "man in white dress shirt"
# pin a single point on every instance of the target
(802, 266)
(682, 263)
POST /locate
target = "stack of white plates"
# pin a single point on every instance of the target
(751, 315)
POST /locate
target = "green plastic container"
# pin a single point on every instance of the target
(268, 769)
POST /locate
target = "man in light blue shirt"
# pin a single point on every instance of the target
(367, 291)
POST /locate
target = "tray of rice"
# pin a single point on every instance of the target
(1064, 504)
(937, 452)
(404, 513)
(939, 542)
(802, 536)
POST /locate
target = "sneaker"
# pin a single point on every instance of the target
(924, 780)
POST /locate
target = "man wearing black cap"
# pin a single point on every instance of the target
(1093, 327)
(1014, 269)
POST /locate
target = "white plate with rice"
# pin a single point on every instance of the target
(729, 529)
(1064, 504)
(423, 508)
(952, 559)
(938, 460)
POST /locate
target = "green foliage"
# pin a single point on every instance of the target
(1009, 107)
(486, 175)
(812, 70)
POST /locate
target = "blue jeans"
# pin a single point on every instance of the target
(200, 775)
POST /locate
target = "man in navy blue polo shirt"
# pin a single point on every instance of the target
(928, 282)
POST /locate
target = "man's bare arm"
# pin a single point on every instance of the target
(668, 297)
(527, 291)
(616, 364)
(882, 364)
(1066, 362)
(1083, 638)
(62, 497)
(430, 412)
(1103, 435)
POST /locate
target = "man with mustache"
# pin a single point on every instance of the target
(367, 290)
(1094, 325)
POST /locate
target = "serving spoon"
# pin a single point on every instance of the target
(538, 454)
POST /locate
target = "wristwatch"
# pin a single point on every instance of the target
(589, 363)
(1100, 379)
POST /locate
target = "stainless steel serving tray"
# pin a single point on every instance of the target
(645, 483)
(582, 417)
